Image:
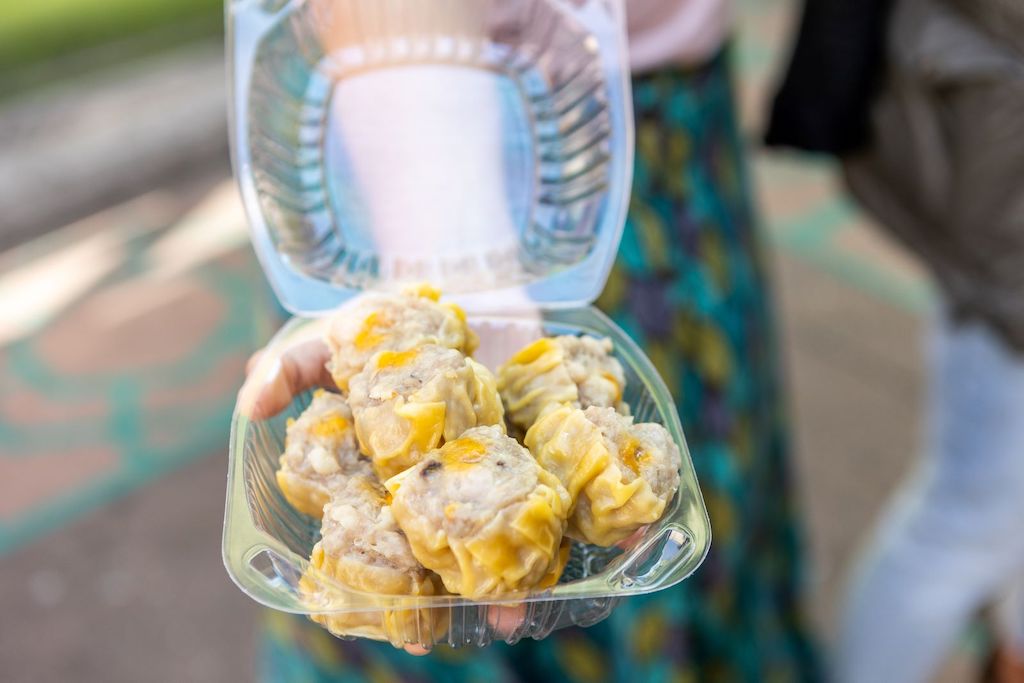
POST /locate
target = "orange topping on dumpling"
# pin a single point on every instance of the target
(462, 452)
(396, 359)
(331, 427)
(371, 333)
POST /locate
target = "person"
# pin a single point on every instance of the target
(927, 115)
(690, 285)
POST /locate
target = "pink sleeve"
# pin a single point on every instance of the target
(686, 32)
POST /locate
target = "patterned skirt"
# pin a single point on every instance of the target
(689, 285)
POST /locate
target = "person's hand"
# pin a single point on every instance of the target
(274, 379)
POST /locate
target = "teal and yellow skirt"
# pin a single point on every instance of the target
(690, 286)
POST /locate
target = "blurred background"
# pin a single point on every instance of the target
(130, 299)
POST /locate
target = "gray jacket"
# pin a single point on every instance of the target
(945, 169)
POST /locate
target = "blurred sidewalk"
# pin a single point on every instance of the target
(102, 138)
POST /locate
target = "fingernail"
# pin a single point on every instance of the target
(273, 371)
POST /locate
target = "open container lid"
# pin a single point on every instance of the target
(484, 146)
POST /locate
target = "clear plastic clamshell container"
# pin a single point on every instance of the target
(484, 146)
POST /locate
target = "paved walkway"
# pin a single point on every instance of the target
(101, 138)
(122, 342)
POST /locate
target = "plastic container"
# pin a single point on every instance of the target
(485, 147)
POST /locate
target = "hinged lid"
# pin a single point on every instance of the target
(484, 146)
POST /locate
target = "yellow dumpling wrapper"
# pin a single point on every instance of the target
(570, 446)
(482, 514)
(611, 509)
(408, 403)
(532, 379)
(579, 371)
(558, 568)
(621, 475)
(396, 626)
(370, 554)
(305, 496)
(393, 322)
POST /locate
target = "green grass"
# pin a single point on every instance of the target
(34, 33)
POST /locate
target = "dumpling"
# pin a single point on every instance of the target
(620, 475)
(362, 548)
(406, 403)
(553, 370)
(320, 453)
(393, 322)
(570, 446)
(482, 514)
(558, 568)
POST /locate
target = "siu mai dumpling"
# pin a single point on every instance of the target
(579, 371)
(393, 322)
(320, 453)
(482, 514)
(621, 475)
(406, 403)
(362, 548)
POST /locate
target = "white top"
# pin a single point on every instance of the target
(684, 32)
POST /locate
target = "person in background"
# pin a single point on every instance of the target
(923, 100)
(690, 286)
